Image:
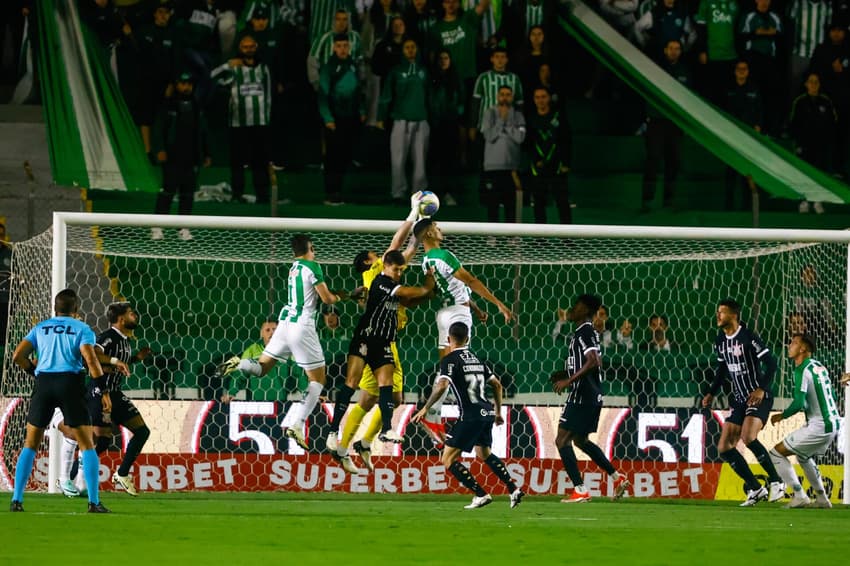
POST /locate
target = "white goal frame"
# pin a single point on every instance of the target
(62, 220)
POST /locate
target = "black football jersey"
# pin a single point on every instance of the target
(467, 377)
(381, 317)
(741, 353)
(115, 345)
(587, 390)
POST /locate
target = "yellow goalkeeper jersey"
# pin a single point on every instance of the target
(369, 276)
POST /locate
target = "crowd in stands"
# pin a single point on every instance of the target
(435, 73)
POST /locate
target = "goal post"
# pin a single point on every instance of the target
(203, 298)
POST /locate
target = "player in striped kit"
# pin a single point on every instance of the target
(740, 355)
(250, 104)
(814, 396)
(296, 334)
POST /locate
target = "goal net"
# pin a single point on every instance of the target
(204, 299)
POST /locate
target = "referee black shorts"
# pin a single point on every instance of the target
(65, 390)
(466, 434)
(122, 408)
(740, 410)
(580, 419)
(377, 352)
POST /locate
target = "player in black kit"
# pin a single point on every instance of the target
(580, 417)
(740, 355)
(377, 329)
(113, 346)
(466, 375)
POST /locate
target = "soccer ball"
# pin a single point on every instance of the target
(429, 204)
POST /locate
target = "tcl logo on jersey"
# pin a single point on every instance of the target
(58, 330)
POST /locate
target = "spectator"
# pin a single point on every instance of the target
(656, 321)
(323, 18)
(376, 26)
(184, 147)
(668, 20)
(404, 100)
(445, 113)
(532, 58)
(663, 137)
(831, 61)
(388, 51)
(603, 326)
(545, 79)
(549, 144)
(559, 336)
(322, 49)
(812, 125)
(104, 20)
(620, 14)
(487, 86)
(715, 21)
(342, 112)
(457, 32)
(419, 20)
(808, 19)
(796, 324)
(249, 115)
(269, 387)
(624, 339)
(743, 101)
(762, 34)
(521, 17)
(197, 29)
(815, 308)
(156, 43)
(503, 130)
(659, 342)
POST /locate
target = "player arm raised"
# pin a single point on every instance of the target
(592, 360)
(437, 392)
(404, 230)
(481, 289)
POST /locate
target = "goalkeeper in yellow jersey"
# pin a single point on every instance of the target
(370, 265)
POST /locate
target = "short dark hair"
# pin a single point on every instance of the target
(505, 87)
(360, 264)
(732, 305)
(66, 302)
(421, 227)
(498, 49)
(300, 244)
(341, 37)
(114, 310)
(806, 339)
(459, 332)
(271, 319)
(543, 88)
(592, 302)
(394, 257)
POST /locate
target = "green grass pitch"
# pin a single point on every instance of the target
(346, 529)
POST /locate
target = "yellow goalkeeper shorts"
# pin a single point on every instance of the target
(369, 384)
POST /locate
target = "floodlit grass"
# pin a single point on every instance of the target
(345, 529)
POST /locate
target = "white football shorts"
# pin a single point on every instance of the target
(447, 316)
(810, 440)
(299, 340)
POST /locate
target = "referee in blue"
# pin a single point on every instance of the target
(61, 345)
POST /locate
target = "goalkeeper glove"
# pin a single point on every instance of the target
(414, 206)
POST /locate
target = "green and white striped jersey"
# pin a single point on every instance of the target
(813, 394)
(250, 93)
(491, 19)
(533, 16)
(808, 25)
(452, 291)
(322, 14)
(486, 92)
(302, 297)
(323, 48)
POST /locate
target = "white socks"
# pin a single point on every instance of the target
(810, 469)
(69, 448)
(785, 470)
(314, 389)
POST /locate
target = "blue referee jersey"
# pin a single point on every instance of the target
(57, 343)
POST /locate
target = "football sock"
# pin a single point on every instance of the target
(763, 457)
(134, 448)
(23, 469)
(352, 423)
(785, 470)
(75, 469)
(343, 397)
(568, 458)
(598, 456)
(810, 470)
(501, 471)
(385, 402)
(373, 429)
(251, 366)
(462, 474)
(314, 389)
(91, 467)
(736, 461)
(69, 448)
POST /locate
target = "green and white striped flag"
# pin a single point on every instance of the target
(92, 140)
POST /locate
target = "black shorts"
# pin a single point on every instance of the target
(580, 419)
(122, 408)
(64, 390)
(740, 410)
(466, 434)
(376, 351)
